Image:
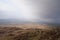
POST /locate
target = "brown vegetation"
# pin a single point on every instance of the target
(42, 32)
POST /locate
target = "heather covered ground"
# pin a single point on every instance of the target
(29, 32)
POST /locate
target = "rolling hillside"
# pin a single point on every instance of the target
(28, 32)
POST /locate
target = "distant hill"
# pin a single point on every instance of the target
(8, 21)
(18, 21)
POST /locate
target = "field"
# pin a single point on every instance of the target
(29, 32)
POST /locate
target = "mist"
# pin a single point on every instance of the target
(31, 10)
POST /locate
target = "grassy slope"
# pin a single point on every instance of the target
(14, 33)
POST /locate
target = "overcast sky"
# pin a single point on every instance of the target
(31, 10)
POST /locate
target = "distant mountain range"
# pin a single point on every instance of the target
(17, 21)
(6, 21)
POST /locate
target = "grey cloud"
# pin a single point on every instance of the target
(46, 9)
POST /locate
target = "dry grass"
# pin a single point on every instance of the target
(29, 32)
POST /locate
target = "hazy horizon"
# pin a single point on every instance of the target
(34, 11)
